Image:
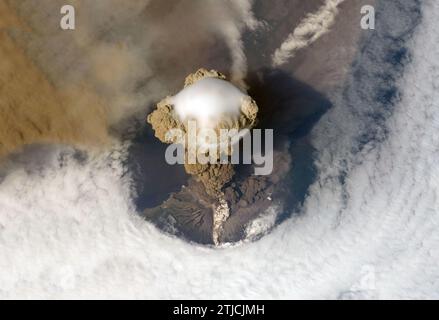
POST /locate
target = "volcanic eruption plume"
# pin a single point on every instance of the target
(211, 103)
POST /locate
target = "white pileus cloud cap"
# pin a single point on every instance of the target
(207, 101)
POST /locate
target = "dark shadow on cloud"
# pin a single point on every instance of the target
(291, 108)
(286, 104)
(36, 158)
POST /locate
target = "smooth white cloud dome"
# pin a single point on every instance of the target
(207, 101)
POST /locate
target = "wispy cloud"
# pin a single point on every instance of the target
(309, 30)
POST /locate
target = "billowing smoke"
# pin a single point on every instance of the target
(201, 112)
(309, 30)
(209, 102)
(76, 85)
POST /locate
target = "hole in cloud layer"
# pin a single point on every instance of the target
(289, 107)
